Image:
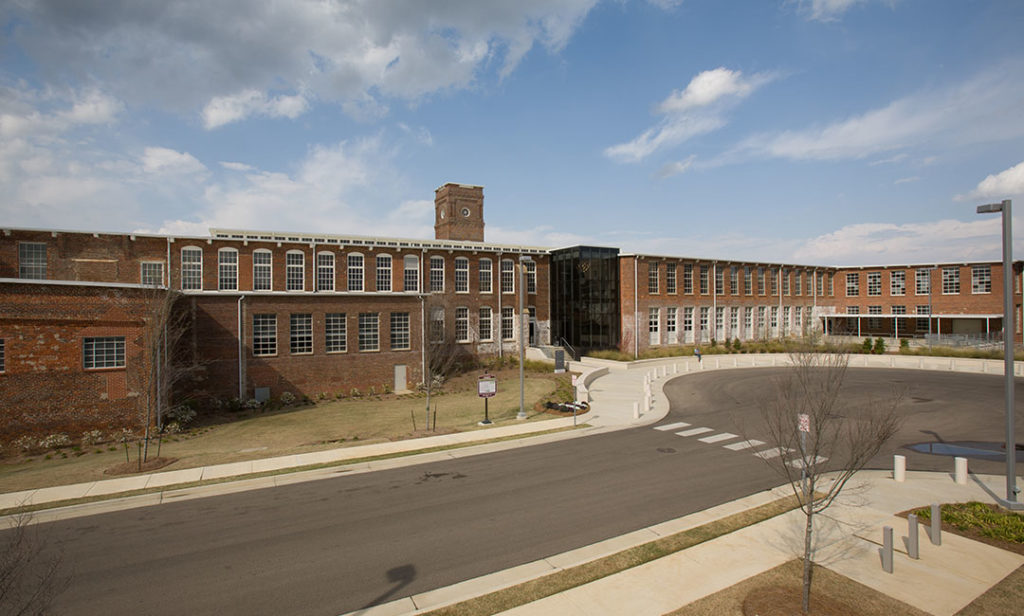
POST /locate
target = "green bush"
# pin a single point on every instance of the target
(879, 346)
(904, 345)
(866, 346)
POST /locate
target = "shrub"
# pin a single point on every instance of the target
(866, 346)
(25, 443)
(253, 403)
(287, 398)
(339, 396)
(55, 441)
(372, 391)
(904, 345)
(385, 388)
(354, 393)
(714, 342)
(183, 414)
(91, 437)
(736, 344)
(879, 345)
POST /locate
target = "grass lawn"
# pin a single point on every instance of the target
(326, 425)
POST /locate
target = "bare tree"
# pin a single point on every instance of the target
(831, 438)
(170, 361)
(443, 356)
(29, 579)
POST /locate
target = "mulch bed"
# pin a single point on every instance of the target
(787, 600)
(129, 468)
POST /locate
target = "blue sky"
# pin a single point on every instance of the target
(808, 131)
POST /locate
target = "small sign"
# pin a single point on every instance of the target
(487, 386)
(575, 377)
(805, 422)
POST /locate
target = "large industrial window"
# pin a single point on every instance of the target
(798, 282)
(719, 281)
(383, 273)
(264, 334)
(355, 272)
(507, 323)
(852, 285)
(32, 260)
(670, 278)
(508, 278)
(461, 275)
(369, 334)
(704, 333)
(227, 269)
(760, 281)
(785, 281)
(191, 268)
(325, 271)
(703, 279)
(411, 273)
(734, 321)
(400, 331)
(485, 275)
(301, 330)
(103, 352)
(688, 278)
(981, 279)
(486, 327)
(734, 280)
(773, 281)
(437, 274)
(295, 271)
(335, 332)
(261, 270)
(748, 283)
(462, 324)
(688, 324)
(719, 321)
(671, 333)
(531, 277)
(922, 281)
(654, 326)
(950, 280)
(874, 284)
(652, 278)
(152, 273)
(897, 283)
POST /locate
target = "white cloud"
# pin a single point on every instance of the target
(980, 110)
(33, 114)
(1005, 184)
(676, 167)
(827, 10)
(236, 166)
(907, 180)
(236, 59)
(902, 156)
(697, 109)
(164, 160)
(227, 109)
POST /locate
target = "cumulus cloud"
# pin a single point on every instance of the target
(676, 167)
(697, 109)
(1006, 183)
(827, 10)
(164, 160)
(236, 59)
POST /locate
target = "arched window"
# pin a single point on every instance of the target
(355, 271)
(191, 268)
(461, 275)
(485, 277)
(262, 270)
(383, 273)
(437, 274)
(295, 270)
(325, 271)
(411, 273)
(227, 269)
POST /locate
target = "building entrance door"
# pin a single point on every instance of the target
(401, 384)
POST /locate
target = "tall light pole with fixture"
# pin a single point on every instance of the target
(1011, 443)
(523, 261)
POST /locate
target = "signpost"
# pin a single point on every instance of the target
(486, 387)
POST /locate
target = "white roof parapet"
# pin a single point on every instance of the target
(364, 240)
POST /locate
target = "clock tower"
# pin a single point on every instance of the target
(459, 212)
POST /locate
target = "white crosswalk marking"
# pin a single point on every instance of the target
(768, 454)
(744, 445)
(724, 436)
(672, 426)
(798, 463)
(694, 431)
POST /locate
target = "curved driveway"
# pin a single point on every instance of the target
(936, 407)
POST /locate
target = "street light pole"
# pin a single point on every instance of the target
(523, 260)
(1011, 444)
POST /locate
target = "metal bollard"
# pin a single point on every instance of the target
(913, 549)
(936, 534)
(899, 468)
(636, 410)
(960, 470)
(887, 548)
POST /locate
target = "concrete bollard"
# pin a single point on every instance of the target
(899, 468)
(675, 368)
(960, 470)
(887, 548)
(936, 531)
(913, 549)
(636, 410)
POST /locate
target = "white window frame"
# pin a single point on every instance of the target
(654, 326)
(29, 265)
(335, 332)
(191, 269)
(295, 271)
(103, 352)
(852, 284)
(508, 323)
(653, 273)
(436, 274)
(356, 273)
(411, 273)
(981, 279)
(383, 272)
(485, 324)
(461, 275)
(325, 276)
(400, 335)
(485, 275)
(369, 332)
(147, 277)
(300, 333)
(671, 325)
(951, 280)
(462, 324)
(262, 273)
(508, 277)
(874, 282)
(227, 269)
(897, 283)
(264, 335)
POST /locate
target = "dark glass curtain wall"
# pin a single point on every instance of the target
(585, 297)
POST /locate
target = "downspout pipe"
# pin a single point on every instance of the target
(636, 308)
(241, 352)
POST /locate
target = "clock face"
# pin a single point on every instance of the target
(465, 212)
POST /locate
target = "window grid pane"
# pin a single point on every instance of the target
(3, 355)
(874, 284)
(687, 279)
(355, 272)
(261, 270)
(652, 278)
(400, 331)
(369, 339)
(486, 329)
(264, 334)
(295, 271)
(411, 274)
(508, 278)
(437, 274)
(191, 269)
(462, 324)
(462, 275)
(103, 352)
(981, 279)
(325, 271)
(950, 280)
(335, 332)
(531, 277)
(852, 285)
(301, 329)
(670, 278)
(32, 260)
(152, 274)
(227, 270)
(485, 275)
(384, 273)
(507, 322)
(897, 283)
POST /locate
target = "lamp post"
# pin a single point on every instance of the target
(1011, 444)
(523, 260)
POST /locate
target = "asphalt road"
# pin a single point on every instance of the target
(337, 545)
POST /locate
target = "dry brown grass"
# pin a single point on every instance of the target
(327, 425)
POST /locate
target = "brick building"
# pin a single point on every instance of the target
(313, 314)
